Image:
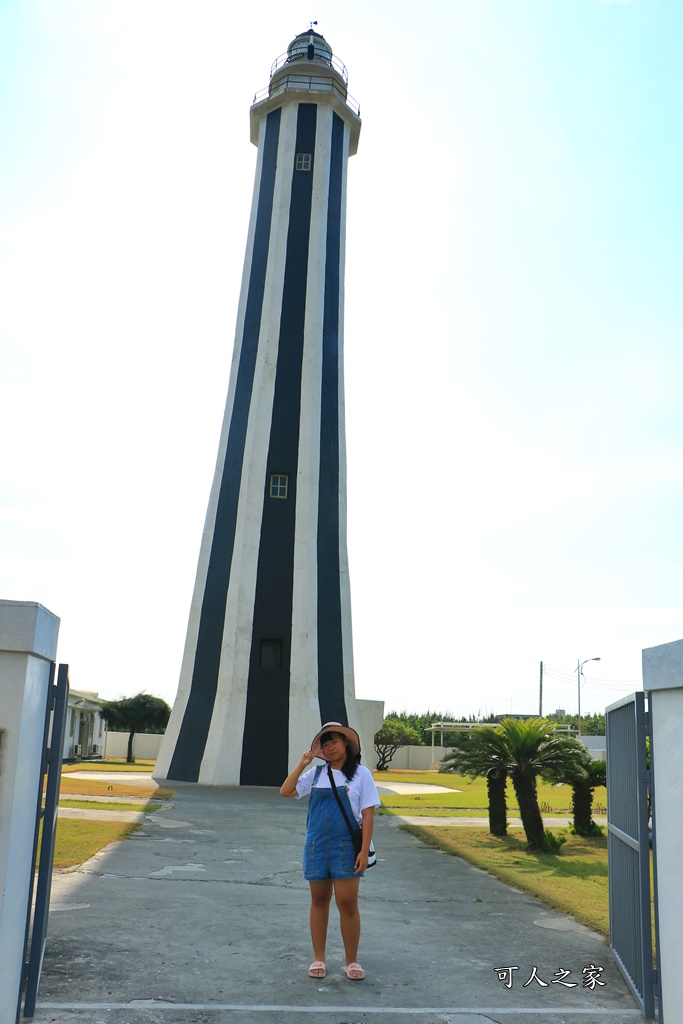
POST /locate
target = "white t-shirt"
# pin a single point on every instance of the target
(362, 789)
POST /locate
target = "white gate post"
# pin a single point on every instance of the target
(663, 678)
(28, 646)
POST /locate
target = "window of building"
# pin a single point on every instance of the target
(278, 485)
(271, 653)
(303, 161)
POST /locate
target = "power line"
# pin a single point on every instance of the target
(593, 682)
(626, 685)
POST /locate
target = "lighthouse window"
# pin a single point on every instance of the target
(271, 653)
(278, 485)
(303, 161)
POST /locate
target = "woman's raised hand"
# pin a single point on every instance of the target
(288, 787)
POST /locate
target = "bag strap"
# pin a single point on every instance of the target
(338, 798)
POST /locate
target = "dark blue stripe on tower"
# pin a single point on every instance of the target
(189, 748)
(267, 712)
(330, 650)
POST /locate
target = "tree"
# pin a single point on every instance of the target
(142, 713)
(483, 753)
(582, 798)
(592, 724)
(533, 750)
(583, 777)
(422, 722)
(525, 749)
(391, 736)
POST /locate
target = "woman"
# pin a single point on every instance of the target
(330, 861)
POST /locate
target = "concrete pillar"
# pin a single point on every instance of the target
(663, 678)
(28, 645)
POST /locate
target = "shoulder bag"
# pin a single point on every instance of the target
(355, 830)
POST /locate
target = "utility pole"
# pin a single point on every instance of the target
(579, 666)
(540, 694)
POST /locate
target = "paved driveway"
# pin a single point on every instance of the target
(203, 917)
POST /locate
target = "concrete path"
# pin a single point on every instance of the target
(99, 814)
(134, 778)
(109, 799)
(203, 917)
(413, 788)
(86, 814)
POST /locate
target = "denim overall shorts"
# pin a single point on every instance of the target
(328, 851)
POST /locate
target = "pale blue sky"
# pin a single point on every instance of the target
(513, 331)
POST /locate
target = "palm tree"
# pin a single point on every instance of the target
(483, 753)
(583, 776)
(534, 750)
(583, 797)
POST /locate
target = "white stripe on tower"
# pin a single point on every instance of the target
(345, 583)
(189, 653)
(303, 686)
(223, 751)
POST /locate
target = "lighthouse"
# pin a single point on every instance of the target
(268, 653)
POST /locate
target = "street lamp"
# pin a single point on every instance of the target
(580, 664)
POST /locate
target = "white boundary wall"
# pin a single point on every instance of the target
(414, 758)
(596, 747)
(145, 745)
(424, 758)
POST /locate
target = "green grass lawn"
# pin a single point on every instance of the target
(103, 805)
(436, 812)
(421, 778)
(93, 787)
(113, 764)
(77, 840)
(551, 799)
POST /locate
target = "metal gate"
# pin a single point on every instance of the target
(628, 846)
(36, 923)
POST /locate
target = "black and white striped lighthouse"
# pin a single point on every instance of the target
(268, 654)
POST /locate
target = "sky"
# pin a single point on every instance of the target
(513, 324)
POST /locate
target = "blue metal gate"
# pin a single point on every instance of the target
(628, 846)
(36, 923)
